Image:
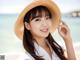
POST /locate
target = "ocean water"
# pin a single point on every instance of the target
(9, 42)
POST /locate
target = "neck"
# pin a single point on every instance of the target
(41, 41)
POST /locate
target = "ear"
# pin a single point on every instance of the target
(27, 25)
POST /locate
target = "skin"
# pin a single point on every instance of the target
(40, 29)
(65, 34)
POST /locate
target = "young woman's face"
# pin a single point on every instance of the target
(40, 26)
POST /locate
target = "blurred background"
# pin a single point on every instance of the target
(10, 10)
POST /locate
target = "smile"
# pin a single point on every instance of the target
(44, 30)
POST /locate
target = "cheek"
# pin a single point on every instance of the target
(35, 29)
(34, 26)
(49, 23)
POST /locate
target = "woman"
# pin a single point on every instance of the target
(34, 27)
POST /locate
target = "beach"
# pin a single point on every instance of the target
(10, 45)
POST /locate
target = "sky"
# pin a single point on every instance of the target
(16, 6)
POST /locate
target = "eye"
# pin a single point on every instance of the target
(38, 19)
(47, 17)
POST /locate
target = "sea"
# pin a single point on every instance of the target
(10, 43)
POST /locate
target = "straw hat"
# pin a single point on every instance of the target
(19, 26)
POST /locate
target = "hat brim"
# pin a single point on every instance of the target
(19, 26)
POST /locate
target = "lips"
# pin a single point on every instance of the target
(44, 30)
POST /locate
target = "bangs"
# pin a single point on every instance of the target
(37, 12)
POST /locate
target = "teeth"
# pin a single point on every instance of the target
(45, 30)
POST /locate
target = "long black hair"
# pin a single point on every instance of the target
(28, 42)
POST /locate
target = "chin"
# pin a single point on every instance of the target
(45, 35)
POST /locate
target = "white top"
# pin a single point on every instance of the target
(41, 52)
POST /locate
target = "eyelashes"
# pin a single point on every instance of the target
(47, 18)
(38, 20)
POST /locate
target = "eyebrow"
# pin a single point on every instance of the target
(37, 16)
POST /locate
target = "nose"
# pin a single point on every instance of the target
(44, 22)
